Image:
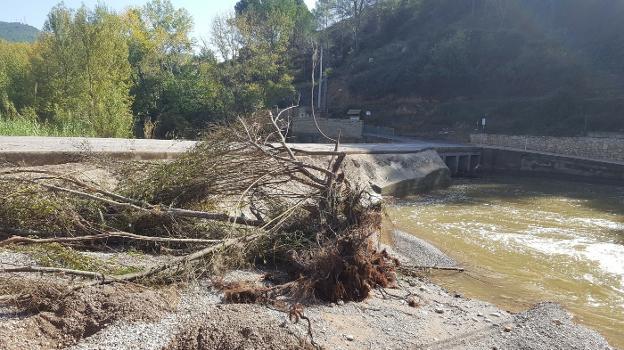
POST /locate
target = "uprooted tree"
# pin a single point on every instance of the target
(241, 196)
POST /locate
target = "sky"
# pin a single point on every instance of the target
(34, 12)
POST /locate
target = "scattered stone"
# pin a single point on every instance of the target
(508, 328)
(340, 302)
(495, 314)
(349, 337)
(411, 301)
(423, 289)
(557, 322)
(439, 310)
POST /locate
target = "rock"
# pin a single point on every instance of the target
(557, 322)
(495, 314)
(508, 328)
(412, 301)
(439, 310)
(349, 337)
(423, 289)
(340, 302)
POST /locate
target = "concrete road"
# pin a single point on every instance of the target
(53, 150)
(82, 144)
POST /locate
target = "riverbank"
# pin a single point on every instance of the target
(416, 314)
(193, 314)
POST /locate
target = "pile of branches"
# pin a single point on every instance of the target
(241, 196)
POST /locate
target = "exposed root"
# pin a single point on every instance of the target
(245, 293)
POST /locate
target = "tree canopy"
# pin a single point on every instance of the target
(536, 66)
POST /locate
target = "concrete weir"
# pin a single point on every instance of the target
(398, 175)
(461, 161)
(396, 169)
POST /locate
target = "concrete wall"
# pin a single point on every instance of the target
(516, 162)
(585, 147)
(306, 128)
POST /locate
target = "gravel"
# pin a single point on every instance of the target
(11, 259)
(152, 335)
(440, 320)
(418, 252)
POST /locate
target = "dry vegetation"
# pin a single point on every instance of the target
(242, 197)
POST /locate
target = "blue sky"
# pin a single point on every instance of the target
(34, 12)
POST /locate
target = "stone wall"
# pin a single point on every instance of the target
(586, 147)
(518, 162)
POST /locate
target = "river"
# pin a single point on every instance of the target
(525, 240)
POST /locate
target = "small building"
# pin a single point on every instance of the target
(354, 114)
(304, 129)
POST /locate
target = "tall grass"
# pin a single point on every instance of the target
(30, 127)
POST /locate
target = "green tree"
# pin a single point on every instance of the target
(353, 11)
(83, 71)
(271, 36)
(17, 87)
(161, 49)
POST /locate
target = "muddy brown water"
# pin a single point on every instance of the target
(525, 240)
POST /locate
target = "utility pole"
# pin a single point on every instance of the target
(320, 88)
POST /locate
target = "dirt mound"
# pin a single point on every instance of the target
(57, 319)
(230, 327)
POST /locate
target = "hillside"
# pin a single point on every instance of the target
(18, 32)
(437, 66)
